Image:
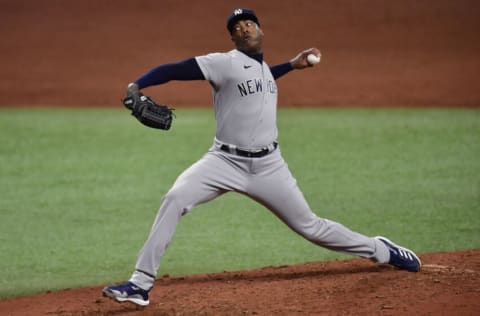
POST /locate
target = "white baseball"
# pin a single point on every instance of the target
(313, 59)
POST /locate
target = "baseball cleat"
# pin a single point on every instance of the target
(127, 292)
(401, 257)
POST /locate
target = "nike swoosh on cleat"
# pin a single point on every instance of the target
(246, 66)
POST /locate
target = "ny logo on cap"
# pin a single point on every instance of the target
(238, 11)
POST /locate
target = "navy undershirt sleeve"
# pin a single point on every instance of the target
(280, 70)
(187, 69)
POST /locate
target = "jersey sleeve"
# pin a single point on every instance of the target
(214, 66)
(280, 70)
(187, 69)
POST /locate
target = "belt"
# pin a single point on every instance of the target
(251, 154)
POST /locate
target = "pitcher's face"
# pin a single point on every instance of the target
(247, 36)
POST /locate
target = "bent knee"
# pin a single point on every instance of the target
(175, 201)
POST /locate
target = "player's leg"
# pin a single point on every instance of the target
(203, 181)
(279, 192)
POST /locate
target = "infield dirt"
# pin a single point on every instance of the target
(447, 285)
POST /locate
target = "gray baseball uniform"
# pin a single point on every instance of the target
(245, 98)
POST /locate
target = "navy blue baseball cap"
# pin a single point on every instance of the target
(241, 14)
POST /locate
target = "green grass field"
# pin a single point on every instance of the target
(80, 189)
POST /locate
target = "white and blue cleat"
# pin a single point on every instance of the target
(127, 292)
(401, 257)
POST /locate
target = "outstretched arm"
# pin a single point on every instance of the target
(187, 69)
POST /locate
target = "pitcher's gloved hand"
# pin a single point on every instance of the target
(147, 111)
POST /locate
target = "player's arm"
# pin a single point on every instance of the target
(187, 69)
(280, 70)
(299, 62)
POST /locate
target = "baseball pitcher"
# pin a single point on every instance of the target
(244, 157)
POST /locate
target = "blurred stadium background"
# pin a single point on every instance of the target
(375, 52)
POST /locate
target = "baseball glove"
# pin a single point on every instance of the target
(148, 112)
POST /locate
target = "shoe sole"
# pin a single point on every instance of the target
(410, 251)
(136, 301)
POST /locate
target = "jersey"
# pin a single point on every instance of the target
(245, 99)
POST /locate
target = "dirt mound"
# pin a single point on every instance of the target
(375, 53)
(448, 284)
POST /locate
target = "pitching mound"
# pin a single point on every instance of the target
(447, 285)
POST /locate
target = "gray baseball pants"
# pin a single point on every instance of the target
(268, 181)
